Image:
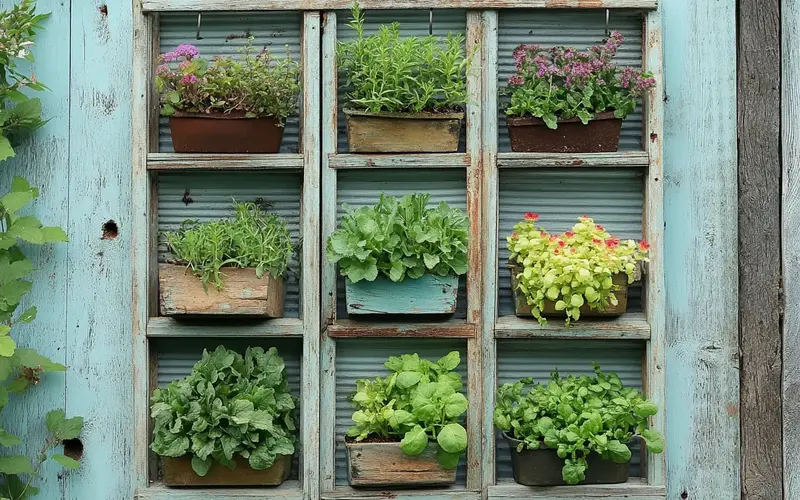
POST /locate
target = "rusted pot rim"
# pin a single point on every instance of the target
(518, 121)
(406, 116)
(233, 115)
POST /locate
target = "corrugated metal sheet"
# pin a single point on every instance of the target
(364, 358)
(223, 34)
(613, 198)
(412, 23)
(212, 193)
(518, 359)
(577, 28)
(363, 187)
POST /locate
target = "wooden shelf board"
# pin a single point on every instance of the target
(191, 161)
(348, 328)
(256, 5)
(170, 327)
(631, 326)
(346, 492)
(630, 159)
(634, 489)
(359, 161)
(289, 490)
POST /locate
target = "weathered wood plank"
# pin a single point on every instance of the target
(630, 326)
(345, 328)
(353, 161)
(630, 159)
(169, 327)
(254, 5)
(428, 294)
(179, 472)
(402, 133)
(384, 465)
(346, 493)
(760, 307)
(634, 489)
(189, 161)
(289, 490)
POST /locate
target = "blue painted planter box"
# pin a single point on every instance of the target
(428, 294)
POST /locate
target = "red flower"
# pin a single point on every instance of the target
(612, 242)
(561, 243)
(543, 234)
(514, 235)
(585, 217)
(531, 216)
(556, 251)
(553, 237)
(569, 234)
(596, 241)
(599, 227)
(644, 245)
(573, 249)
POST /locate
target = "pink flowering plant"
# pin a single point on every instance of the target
(256, 84)
(562, 82)
(571, 269)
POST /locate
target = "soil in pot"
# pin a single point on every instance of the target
(179, 472)
(380, 463)
(403, 132)
(531, 135)
(224, 133)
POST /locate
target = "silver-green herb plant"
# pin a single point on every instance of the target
(230, 405)
(254, 238)
(420, 402)
(399, 239)
(387, 73)
(577, 416)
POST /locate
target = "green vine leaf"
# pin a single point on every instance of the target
(66, 462)
(16, 464)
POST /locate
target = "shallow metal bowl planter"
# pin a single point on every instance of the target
(380, 465)
(369, 132)
(179, 472)
(428, 294)
(224, 133)
(531, 135)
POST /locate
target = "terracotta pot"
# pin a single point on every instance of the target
(179, 472)
(380, 465)
(224, 133)
(531, 135)
(542, 467)
(403, 132)
(522, 308)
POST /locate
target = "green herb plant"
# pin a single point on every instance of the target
(577, 416)
(253, 238)
(400, 239)
(387, 73)
(418, 403)
(22, 368)
(228, 406)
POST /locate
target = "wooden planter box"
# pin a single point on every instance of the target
(522, 308)
(427, 294)
(403, 132)
(224, 133)
(243, 294)
(380, 465)
(530, 135)
(179, 472)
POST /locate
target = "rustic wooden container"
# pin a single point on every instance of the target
(524, 310)
(243, 294)
(403, 132)
(427, 294)
(379, 465)
(530, 135)
(179, 472)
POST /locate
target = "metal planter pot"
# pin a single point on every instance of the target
(531, 135)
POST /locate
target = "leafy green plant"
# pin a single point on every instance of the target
(252, 239)
(229, 405)
(400, 239)
(419, 401)
(577, 416)
(402, 75)
(257, 85)
(572, 269)
(23, 368)
(19, 114)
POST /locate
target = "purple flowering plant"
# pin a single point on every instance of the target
(563, 82)
(256, 84)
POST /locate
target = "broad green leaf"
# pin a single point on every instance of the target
(431, 261)
(653, 440)
(61, 427)
(7, 440)
(455, 405)
(29, 357)
(6, 151)
(414, 441)
(400, 417)
(646, 409)
(452, 438)
(200, 466)
(450, 361)
(13, 201)
(448, 460)
(70, 463)
(408, 379)
(19, 184)
(618, 452)
(54, 234)
(27, 316)
(7, 346)
(573, 472)
(16, 464)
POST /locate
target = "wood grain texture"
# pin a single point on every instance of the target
(443, 160)
(701, 331)
(631, 326)
(401, 133)
(179, 472)
(347, 493)
(289, 490)
(243, 293)
(634, 489)
(189, 161)
(628, 159)
(384, 465)
(428, 294)
(344, 328)
(760, 306)
(169, 327)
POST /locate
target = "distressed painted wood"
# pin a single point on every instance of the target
(761, 306)
(428, 294)
(634, 489)
(700, 169)
(189, 161)
(289, 490)
(631, 326)
(224, 328)
(243, 293)
(347, 493)
(201, 5)
(384, 465)
(179, 472)
(353, 161)
(343, 328)
(627, 159)
(402, 132)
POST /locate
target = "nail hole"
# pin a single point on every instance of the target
(73, 448)
(684, 494)
(110, 230)
(186, 198)
(103, 9)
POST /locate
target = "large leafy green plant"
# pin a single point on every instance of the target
(253, 238)
(399, 239)
(420, 402)
(571, 269)
(23, 368)
(229, 405)
(387, 73)
(577, 416)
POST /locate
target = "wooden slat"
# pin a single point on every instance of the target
(188, 161)
(289, 490)
(634, 489)
(631, 326)
(346, 328)
(162, 327)
(632, 159)
(255, 5)
(427, 161)
(347, 493)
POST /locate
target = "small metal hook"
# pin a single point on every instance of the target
(199, 21)
(608, 15)
(430, 22)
